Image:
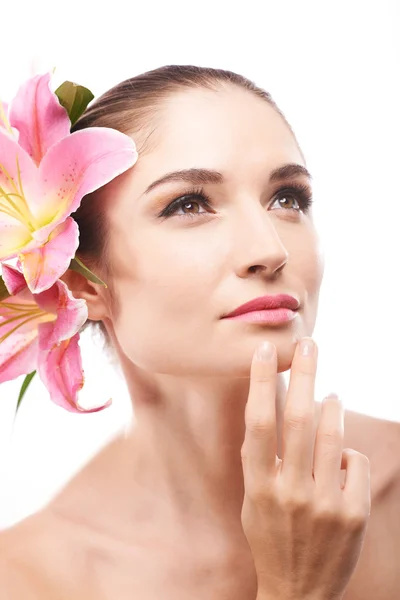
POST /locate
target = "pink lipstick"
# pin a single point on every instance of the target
(272, 310)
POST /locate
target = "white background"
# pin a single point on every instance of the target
(333, 68)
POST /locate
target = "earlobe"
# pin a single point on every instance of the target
(83, 289)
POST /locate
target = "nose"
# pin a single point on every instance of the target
(258, 246)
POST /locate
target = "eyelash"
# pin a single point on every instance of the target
(301, 192)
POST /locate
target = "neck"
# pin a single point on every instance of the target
(179, 463)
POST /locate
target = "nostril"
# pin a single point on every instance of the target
(257, 268)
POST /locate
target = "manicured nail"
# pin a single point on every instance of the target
(307, 347)
(265, 351)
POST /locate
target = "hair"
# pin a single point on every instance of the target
(131, 108)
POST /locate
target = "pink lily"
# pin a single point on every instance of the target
(41, 331)
(3, 115)
(4, 122)
(43, 177)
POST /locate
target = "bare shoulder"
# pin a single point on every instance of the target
(378, 438)
(377, 574)
(33, 556)
(19, 576)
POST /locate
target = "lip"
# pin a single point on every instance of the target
(266, 304)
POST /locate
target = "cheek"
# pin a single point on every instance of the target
(306, 258)
(188, 263)
(311, 266)
(307, 264)
(166, 289)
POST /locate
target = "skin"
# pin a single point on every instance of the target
(159, 508)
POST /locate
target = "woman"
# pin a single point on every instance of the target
(213, 264)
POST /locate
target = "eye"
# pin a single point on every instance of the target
(188, 205)
(297, 197)
(287, 201)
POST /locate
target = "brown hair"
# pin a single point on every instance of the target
(131, 108)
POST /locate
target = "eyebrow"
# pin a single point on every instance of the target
(209, 176)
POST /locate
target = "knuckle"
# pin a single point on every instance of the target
(356, 520)
(258, 492)
(327, 511)
(331, 437)
(295, 502)
(259, 426)
(298, 421)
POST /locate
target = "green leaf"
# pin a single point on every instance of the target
(4, 293)
(78, 266)
(24, 387)
(74, 98)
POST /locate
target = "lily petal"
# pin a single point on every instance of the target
(16, 198)
(71, 312)
(47, 263)
(13, 279)
(18, 356)
(19, 316)
(79, 164)
(38, 116)
(60, 369)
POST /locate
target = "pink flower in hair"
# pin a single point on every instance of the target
(44, 173)
(40, 332)
(4, 122)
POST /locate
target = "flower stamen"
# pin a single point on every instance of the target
(3, 117)
(18, 305)
(32, 316)
(22, 212)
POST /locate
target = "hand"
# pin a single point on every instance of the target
(305, 530)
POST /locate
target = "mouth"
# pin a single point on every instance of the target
(271, 310)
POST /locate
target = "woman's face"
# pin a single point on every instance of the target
(188, 250)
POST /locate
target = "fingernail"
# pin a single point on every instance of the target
(265, 351)
(334, 396)
(307, 347)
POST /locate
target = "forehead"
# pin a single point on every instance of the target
(201, 127)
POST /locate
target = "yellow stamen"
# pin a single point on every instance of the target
(37, 314)
(20, 209)
(9, 178)
(14, 207)
(3, 117)
(19, 305)
(7, 335)
(24, 311)
(7, 212)
(18, 317)
(21, 189)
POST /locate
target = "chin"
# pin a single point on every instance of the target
(236, 360)
(228, 356)
(284, 339)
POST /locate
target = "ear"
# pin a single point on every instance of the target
(94, 294)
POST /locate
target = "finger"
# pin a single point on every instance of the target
(259, 446)
(357, 484)
(298, 426)
(329, 444)
(281, 391)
